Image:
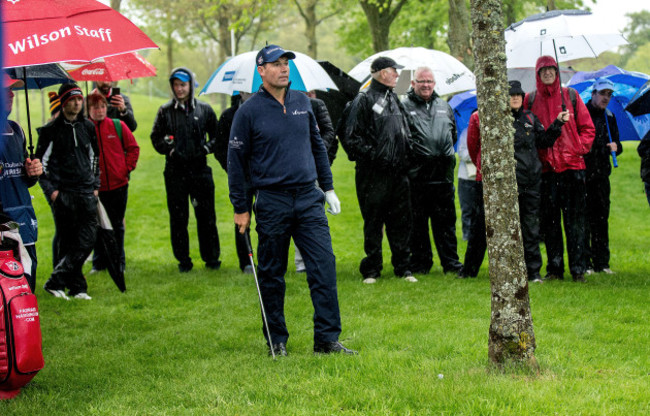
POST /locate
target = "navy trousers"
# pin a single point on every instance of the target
(299, 214)
(563, 203)
(597, 230)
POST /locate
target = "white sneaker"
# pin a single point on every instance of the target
(82, 295)
(607, 270)
(410, 278)
(369, 280)
(57, 293)
(589, 271)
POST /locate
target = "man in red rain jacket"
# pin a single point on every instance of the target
(563, 171)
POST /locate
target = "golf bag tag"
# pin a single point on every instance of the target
(21, 354)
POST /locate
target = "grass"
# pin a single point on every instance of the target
(191, 344)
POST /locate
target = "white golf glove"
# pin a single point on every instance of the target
(333, 202)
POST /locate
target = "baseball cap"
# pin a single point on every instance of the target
(271, 53)
(603, 84)
(383, 62)
(181, 75)
(11, 83)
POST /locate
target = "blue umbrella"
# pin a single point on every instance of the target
(626, 84)
(37, 77)
(463, 105)
(40, 76)
(640, 103)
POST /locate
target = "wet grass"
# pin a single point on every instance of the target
(191, 344)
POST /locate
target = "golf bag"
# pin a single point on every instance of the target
(21, 355)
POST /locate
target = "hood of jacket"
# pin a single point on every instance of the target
(547, 90)
(191, 100)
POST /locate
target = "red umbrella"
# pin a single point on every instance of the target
(113, 68)
(46, 31)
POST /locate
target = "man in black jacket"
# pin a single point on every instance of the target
(68, 149)
(433, 128)
(179, 132)
(377, 138)
(221, 154)
(598, 170)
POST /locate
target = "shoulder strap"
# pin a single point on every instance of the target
(573, 94)
(118, 129)
(531, 99)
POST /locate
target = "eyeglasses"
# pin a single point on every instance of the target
(547, 68)
(424, 81)
(605, 93)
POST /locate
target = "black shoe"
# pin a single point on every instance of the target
(553, 276)
(185, 267)
(280, 350)
(214, 265)
(580, 278)
(332, 347)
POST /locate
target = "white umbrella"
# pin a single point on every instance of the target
(450, 74)
(564, 34)
(240, 74)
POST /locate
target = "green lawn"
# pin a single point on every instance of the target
(191, 344)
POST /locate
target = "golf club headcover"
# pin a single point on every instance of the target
(333, 202)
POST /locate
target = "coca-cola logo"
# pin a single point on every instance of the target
(96, 71)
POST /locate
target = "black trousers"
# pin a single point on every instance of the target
(477, 243)
(299, 214)
(384, 199)
(563, 203)
(192, 184)
(114, 202)
(466, 198)
(75, 219)
(529, 201)
(433, 203)
(597, 230)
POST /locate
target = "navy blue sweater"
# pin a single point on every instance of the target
(275, 146)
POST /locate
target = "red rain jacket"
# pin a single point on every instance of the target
(577, 134)
(115, 161)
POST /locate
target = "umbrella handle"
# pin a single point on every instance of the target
(29, 121)
(609, 136)
(559, 76)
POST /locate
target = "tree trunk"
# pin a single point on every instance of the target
(511, 336)
(458, 36)
(380, 16)
(308, 13)
(115, 4)
(550, 5)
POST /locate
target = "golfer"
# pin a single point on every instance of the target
(275, 145)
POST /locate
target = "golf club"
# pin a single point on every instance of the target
(259, 293)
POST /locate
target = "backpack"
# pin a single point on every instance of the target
(21, 353)
(572, 93)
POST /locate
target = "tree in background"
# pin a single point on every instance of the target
(511, 336)
(115, 4)
(458, 38)
(637, 33)
(307, 9)
(380, 15)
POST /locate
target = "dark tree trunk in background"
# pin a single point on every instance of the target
(115, 4)
(511, 336)
(458, 37)
(308, 13)
(380, 16)
(550, 5)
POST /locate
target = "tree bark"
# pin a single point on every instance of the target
(308, 13)
(458, 36)
(115, 4)
(511, 336)
(380, 16)
(550, 5)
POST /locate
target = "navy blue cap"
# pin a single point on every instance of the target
(181, 75)
(271, 53)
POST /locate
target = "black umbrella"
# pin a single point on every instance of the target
(108, 244)
(336, 100)
(640, 102)
(37, 77)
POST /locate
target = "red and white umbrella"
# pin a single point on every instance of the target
(112, 68)
(47, 31)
